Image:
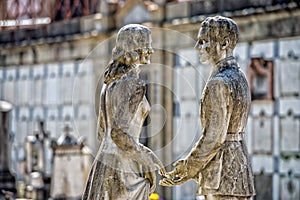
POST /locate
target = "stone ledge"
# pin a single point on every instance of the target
(92, 25)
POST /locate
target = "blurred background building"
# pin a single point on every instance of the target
(53, 54)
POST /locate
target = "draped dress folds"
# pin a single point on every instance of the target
(115, 174)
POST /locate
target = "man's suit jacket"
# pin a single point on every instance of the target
(220, 160)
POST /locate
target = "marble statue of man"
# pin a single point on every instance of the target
(219, 161)
(124, 168)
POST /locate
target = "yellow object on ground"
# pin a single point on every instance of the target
(154, 196)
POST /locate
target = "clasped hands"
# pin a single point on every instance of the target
(177, 176)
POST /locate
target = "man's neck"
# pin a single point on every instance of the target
(226, 62)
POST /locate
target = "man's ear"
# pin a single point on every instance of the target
(225, 43)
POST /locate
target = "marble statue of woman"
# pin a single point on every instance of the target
(219, 161)
(124, 168)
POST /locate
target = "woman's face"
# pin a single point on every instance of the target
(146, 51)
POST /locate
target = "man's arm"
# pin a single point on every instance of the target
(216, 111)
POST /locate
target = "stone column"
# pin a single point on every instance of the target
(7, 180)
(5, 108)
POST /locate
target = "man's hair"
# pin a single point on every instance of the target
(219, 28)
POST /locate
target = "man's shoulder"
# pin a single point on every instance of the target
(218, 83)
(228, 75)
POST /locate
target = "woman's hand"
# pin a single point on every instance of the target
(159, 165)
(154, 160)
(176, 177)
(151, 176)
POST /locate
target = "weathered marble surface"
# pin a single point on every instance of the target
(123, 167)
(219, 160)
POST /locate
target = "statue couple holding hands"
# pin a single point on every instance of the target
(219, 163)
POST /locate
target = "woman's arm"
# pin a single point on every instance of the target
(101, 124)
(126, 97)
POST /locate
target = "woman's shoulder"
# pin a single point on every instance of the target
(130, 82)
(128, 86)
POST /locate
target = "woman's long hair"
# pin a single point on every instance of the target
(115, 70)
(130, 39)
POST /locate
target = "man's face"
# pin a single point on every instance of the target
(203, 45)
(209, 48)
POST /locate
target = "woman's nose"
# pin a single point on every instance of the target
(196, 46)
(150, 50)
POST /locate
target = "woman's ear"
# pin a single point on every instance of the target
(131, 57)
(134, 56)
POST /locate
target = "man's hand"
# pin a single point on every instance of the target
(176, 177)
(172, 182)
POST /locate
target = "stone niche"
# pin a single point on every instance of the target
(288, 74)
(289, 186)
(262, 127)
(289, 110)
(263, 186)
(260, 76)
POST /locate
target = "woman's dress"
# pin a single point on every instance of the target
(116, 173)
